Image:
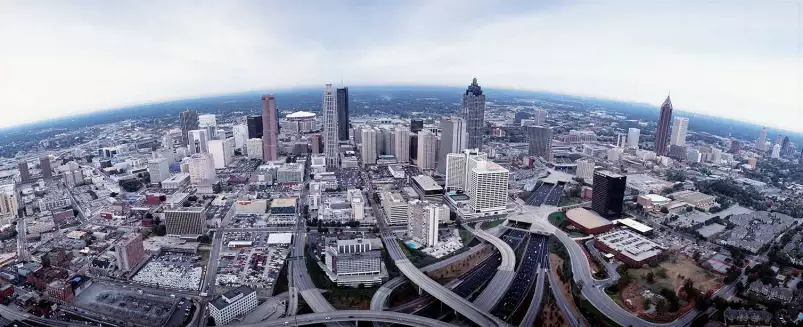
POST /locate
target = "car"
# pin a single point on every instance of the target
(328, 318)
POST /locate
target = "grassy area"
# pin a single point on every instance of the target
(558, 219)
(204, 254)
(491, 224)
(466, 237)
(350, 298)
(591, 313)
(418, 258)
(317, 275)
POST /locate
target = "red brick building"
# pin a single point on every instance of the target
(588, 221)
(129, 251)
(60, 290)
(41, 277)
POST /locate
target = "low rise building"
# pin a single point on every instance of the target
(233, 304)
(283, 211)
(629, 247)
(697, 199)
(769, 292)
(176, 181)
(185, 221)
(395, 207)
(588, 221)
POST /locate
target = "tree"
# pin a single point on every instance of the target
(205, 239)
(650, 277)
(689, 209)
(664, 210)
(660, 306)
(160, 230)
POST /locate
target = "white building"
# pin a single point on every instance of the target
(539, 117)
(487, 186)
(176, 181)
(422, 223)
(159, 169)
(395, 208)
(254, 148)
(776, 151)
(222, 152)
(585, 169)
(330, 140)
(632, 138)
(8, 200)
(693, 156)
(457, 165)
(368, 147)
(426, 150)
(290, 173)
(679, 129)
(240, 135)
(198, 140)
(201, 168)
(357, 209)
(401, 145)
(233, 304)
(209, 123)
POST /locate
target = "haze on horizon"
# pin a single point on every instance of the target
(734, 59)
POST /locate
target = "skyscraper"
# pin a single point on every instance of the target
(679, 129)
(474, 114)
(540, 117)
(198, 140)
(416, 125)
(270, 128)
(402, 145)
(761, 144)
(662, 131)
(608, 194)
(44, 164)
(426, 150)
(202, 168)
(540, 138)
(25, 173)
(208, 122)
(518, 116)
(188, 120)
(330, 125)
(453, 139)
(632, 138)
(457, 167)
(785, 145)
(486, 186)
(254, 127)
(368, 148)
(343, 113)
(422, 224)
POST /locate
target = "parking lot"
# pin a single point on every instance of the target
(247, 259)
(172, 271)
(248, 221)
(128, 305)
(349, 177)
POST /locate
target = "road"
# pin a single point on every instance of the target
(497, 287)
(347, 316)
(538, 295)
(563, 303)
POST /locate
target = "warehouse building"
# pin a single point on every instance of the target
(629, 247)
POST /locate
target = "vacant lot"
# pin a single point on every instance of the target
(676, 269)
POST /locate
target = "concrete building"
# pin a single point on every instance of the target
(473, 109)
(176, 181)
(427, 188)
(129, 251)
(679, 129)
(776, 151)
(761, 143)
(368, 146)
(588, 221)
(199, 140)
(201, 168)
(629, 247)
(290, 173)
(633, 138)
(395, 207)
(540, 139)
(487, 187)
(9, 202)
(270, 128)
(697, 199)
(457, 169)
(426, 150)
(422, 224)
(222, 152)
(185, 221)
(25, 173)
(253, 148)
(663, 129)
(159, 169)
(188, 121)
(240, 135)
(209, 123)
(44, 164)
(233, 304)
(453, 139)
(585, 169)
(330, 137)
(539, 117)
(609, 192)
(401, 145)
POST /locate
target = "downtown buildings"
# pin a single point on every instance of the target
(368, 150)
(608, 194)
(270, 127)
(426, 150)
(453, 139)
(422, 224)
(330, 127)
(188, 121)
(473, 107)
(540, 139)
(663, 129)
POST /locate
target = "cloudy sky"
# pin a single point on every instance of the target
(737, 59)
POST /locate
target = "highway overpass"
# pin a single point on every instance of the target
(348, 316)
(497, 287)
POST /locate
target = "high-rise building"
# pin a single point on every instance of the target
(453, 139)
(395, 207)
(44, 164)
(776, 151)
(315, 144)
(253, 148)
(540, 117)
(159, 170)
(608, 195)
(585, 169)
(25, 173)
(474, 114)
(188, 120)
(518, 116)
(240, 134)
(201, 168)
(663, 129)
(254, 127)
(413, 146)
(233, 304)
(487, 186)
(736, 147)
(632, 138)
(402, 145)
(199, 141)
(330, 139)
(457, 168)
(129, 251)
(426, 150)
(540, 138)
(270, 128)
(387, 144)
(679, 129)
(778, 139)
(222, 152)
(785, 145)
(422, 224)
(761, 143)
(185, 221)
(343, 114)
(416, 125)
(368, 147)
(9, 203)
(209, 123)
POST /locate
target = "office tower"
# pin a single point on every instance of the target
(209, 123)
(457, 167)
(487, 186)
(188, 120)
(270, 128)
(776, 151)
(129, 251)
(693, 156)
(632, 138)
(609, 192)
(778, 139)
(185, 221)
(413, 146)
(518, 116)
(540, 138)
(343, 113)
(426, 150)
(585, 169)
(416, 125)
(662, 131)
(453, 139)
(716, 156)
(253, 148)
(254, 127)
(330, 138)
(387, 140)
(25, 173)
(9, 203)
(474, 115)
(232, 305)
(422, 224)
(679, 129)
(357, 131)
(761, 144)
(395, 207)
(785, 145)
(368, 148)
(159, 169)
(222, 152)
(315, 144)
(621, 140)
(540, 117)
(240, 134)
(402, 145)
(201, 168)
(44, 164)
(199, 140)
(736, 147)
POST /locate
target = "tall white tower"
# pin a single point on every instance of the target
(632, 138)
(426, 150)
(330, 140)
(368, 148)
(679, 128)
(402, 145)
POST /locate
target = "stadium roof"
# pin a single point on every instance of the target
(587, 218)
(300, 115)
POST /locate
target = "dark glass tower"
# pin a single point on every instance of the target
(188, 120)
(254, 127)
(474, 115)
(416, 125)
(663, 131)
(343, 114)
(608, 195)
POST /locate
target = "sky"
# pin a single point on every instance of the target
(734, 59)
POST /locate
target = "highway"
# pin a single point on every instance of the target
(533, 257)
(564, 303)
(380, 299)
(538, 295)
(497, 287)
(347, 316)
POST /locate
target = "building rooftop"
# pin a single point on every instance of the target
(300, 115)
(231, 296)
(284, 202)
(634, 225)
(587, 218)
(630, 244)
(427, 183)
(609, 173)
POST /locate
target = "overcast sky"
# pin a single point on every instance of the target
(731, 58)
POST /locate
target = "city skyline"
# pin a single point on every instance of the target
(695, 62)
